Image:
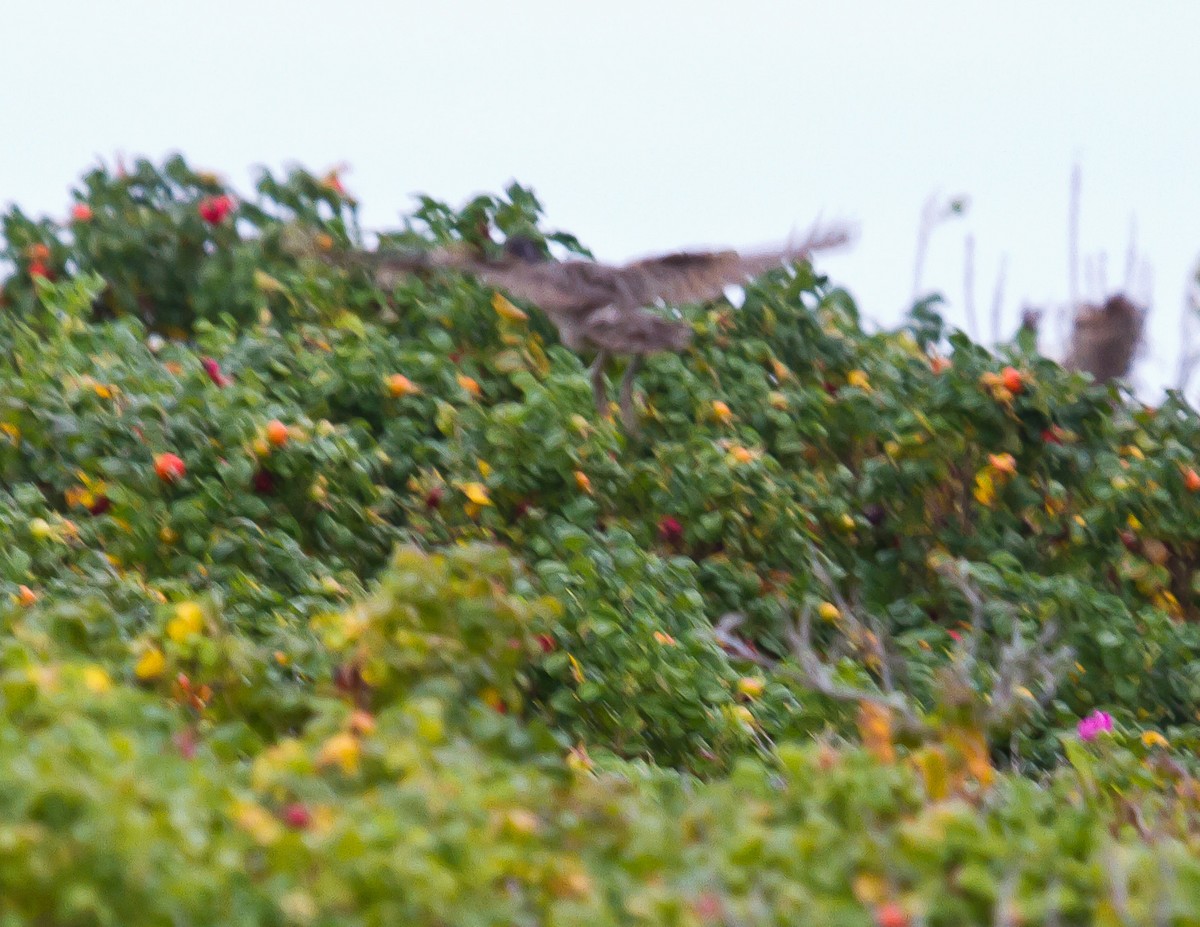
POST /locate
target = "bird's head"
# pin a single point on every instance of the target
(526, 249)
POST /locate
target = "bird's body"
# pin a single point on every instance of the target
(605, 307)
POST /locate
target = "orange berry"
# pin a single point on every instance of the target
(26, 596)
(400, 385)
(470, 385)
(169, 467)
(939, 364)
(1191, 479)
(1003, 463)
(277, 432)
(1012, 380)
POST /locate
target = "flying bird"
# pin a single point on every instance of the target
(606, 307)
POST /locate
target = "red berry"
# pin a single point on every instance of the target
(100, 506)
(214, 209)
(296, 816)
(263, 482)
(546, 642)
(890, 914)
(81, 212)
(1191, 479)
(213, 369)
(670, 530)
(169, 467)
(433, 498)
(39, 269)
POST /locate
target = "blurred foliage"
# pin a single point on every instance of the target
(403, 632)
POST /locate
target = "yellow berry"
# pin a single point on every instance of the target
(150, 665)
(828, 611)
(187, 623)
(751, 686)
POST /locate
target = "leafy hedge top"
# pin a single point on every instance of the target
(210, 442)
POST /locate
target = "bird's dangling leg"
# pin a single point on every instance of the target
(599, 389)
(627, 411)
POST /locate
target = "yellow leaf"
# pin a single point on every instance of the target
(972, 748)
(477, 493)
(341, 750)
(506, 310)
(985, 489)
(931, 763)
(265, 283)
(869, 889)
(259, 823)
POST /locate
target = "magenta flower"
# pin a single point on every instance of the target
(1098, 722)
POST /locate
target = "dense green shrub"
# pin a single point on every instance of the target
(322, 602)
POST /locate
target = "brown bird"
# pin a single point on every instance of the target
(605, 307)
(1105, 338)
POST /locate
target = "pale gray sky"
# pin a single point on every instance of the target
(646, 126)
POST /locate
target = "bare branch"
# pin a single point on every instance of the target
(924, 230)
(1131, 255)
(1073, 202)
(969, 288)
(731, 644)
(1189, 353)
(819, 676)
(998, 297)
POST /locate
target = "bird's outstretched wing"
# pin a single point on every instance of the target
(698, 276)
(566, 288)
